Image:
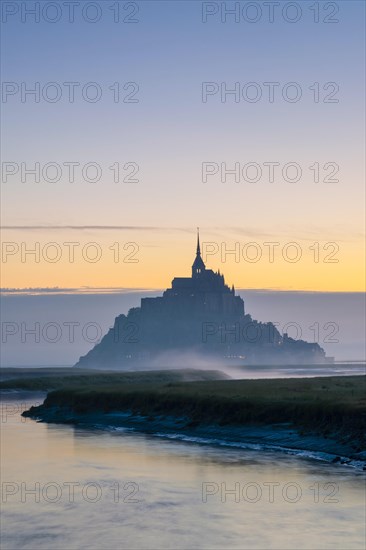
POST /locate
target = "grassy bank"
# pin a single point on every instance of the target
(327, 406)
(55, 378)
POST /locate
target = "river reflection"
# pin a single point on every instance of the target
(66, 487)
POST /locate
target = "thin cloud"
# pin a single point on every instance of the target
(337, 233)
(75, 290)
(91, 227)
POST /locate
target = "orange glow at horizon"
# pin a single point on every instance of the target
(151, 261)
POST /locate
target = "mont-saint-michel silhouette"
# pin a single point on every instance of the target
(198, 318)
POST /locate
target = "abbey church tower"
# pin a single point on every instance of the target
(198, 266)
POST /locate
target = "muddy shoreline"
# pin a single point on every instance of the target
(277, 437)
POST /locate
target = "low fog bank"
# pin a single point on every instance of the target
(187, 360)
(47, 330)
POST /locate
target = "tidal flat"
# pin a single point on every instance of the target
(325, 415)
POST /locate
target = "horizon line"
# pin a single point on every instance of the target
(85, 290)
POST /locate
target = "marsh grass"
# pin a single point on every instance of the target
(331, 405)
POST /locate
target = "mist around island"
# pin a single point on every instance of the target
(77, 321)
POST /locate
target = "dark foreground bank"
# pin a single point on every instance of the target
(324, 415)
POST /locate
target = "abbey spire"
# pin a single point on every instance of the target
(198, 266)
(198, 242)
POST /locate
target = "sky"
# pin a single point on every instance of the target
(173, 136)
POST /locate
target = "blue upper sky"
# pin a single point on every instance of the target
(170, 132)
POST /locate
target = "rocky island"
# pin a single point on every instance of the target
(198, 318)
